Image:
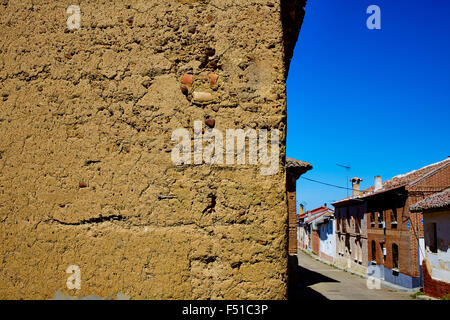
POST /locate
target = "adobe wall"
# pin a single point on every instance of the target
(86, 120)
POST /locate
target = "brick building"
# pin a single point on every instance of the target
(294, 169)
(351, 232)
(394, 233)
(436, 223)
(302, 232)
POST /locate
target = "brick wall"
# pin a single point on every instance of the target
(326, 257)
(405, 237)
(402, 236)
(434, 288)
(292, 213)
(315, 241)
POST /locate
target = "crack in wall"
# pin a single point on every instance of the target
(90, 221)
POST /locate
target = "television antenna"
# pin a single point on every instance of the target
(347, 168)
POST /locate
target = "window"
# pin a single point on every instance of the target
(338, 221)
(394, 218)
(395, 256)
(358, 221)
(380, 220)
(383, 251)
(433, 238)
(360, 258)
(358, 251)
(374, 251)
(345, 222)
(372, 219)
(357, 226)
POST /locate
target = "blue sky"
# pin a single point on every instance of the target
(378, 100)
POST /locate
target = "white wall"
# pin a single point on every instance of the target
(302, 236)
(440, 261)
(328, 245)
(422, 249)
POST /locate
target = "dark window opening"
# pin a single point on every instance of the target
(395, 256)
(358, 225)
(433, 238)
(372, 219)
(380, 220)
(374, 251)
(347, 219)
(394, 218)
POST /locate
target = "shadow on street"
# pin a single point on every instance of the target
(300, 281)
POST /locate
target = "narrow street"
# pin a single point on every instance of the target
(319, 281)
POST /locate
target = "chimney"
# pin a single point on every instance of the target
(355, 186)
(378, 183)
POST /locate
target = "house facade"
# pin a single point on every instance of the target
(378, 235)
(351, 232)
(436, 223)
(327, 238)
(303, 232)
(316, 232)
(395, 234)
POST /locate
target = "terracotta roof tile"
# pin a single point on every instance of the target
(410, 177)
(293, 163)
(401, 180)
(435, 201)
(312, 215)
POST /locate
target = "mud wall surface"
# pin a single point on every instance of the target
(86, 175)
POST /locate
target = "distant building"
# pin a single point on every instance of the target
(294, 169)
(436, 222)
(395, 244)
(395, 235)
(303, 232)
(316, 232)
(327, 236)
(351, 232)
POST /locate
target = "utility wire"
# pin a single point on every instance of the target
(410, 192)
(327, 184)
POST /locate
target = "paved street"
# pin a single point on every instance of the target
(319, 281)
